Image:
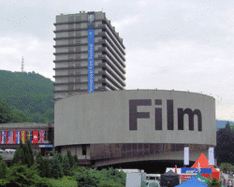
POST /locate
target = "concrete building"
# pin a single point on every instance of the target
(89, 55)
(110, 128)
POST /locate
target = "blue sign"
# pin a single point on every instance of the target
(48, 145)
(196, 170)
(90, 60)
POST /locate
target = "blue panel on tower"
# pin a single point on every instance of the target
(90, 60)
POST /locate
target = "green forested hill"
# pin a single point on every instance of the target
(30, 93)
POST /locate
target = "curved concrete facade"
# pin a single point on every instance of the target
(136, 116)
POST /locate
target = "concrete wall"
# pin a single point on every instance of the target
(103, 117)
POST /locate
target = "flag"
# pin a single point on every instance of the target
(23, 136)
(14, 137)
(17, 137)
(42, 136)
(35, 137)
(3, 137)
(10, 138)
(29, 135)
(6, 136)
(176, 169)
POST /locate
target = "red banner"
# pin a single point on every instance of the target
(6, 132)
(35, 137)
(14, 137)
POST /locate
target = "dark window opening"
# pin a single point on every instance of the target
(84, 151)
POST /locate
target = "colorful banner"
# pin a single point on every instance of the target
(35, 137)
(10, 138)
(3, 137)
(16, 137)
(90, 60)
(23, 136)
(30, 136)
(41, 136)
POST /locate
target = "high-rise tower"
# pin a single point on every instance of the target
(89, 55)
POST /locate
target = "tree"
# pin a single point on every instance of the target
(24, 154)
(225, 167)
(70, 158)
(18, 116)
(213, 183)
(56, 166)
(76, 160)
(114, 175)
(28, 152)
(228, 126)
(87, 177)
(19, 155)
(104, 178)
(43, 166)
(5, 112)
(225, 145)
(9, 115)
(66, 166)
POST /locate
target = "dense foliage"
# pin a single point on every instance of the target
(104, 178)
(213, 183)
(43, 172)
(225, 145)
(21, 175)
(24, 154)
(10, 115)
(56, 172)
(29, 94)
(43, 166)
(226, 167)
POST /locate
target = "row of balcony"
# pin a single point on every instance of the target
(108, 41)
(104, 21)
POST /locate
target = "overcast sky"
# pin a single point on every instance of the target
(185, 45)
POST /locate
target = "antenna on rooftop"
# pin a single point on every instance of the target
(22, 64)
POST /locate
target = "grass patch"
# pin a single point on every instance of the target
(65, 181)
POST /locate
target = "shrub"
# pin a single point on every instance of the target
(3, 169)
(21, 175)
